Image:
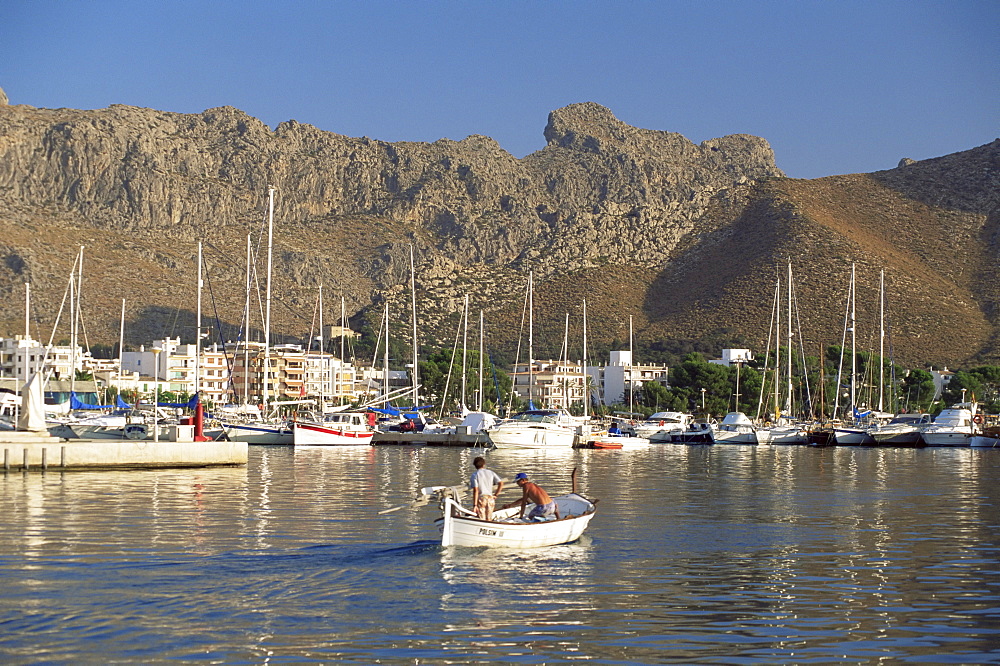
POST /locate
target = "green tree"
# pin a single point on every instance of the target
(434, 378)
(694, 374)
(917, 390)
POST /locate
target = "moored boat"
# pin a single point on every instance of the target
(696, 433)
(609, 441)
(792, 433)
(535, 429)
(260, 432)
(337, 429)
(736, 428)
(989, 438)
(952, 427)
(661, 426)
(902, 430)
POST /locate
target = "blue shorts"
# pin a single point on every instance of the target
(542, 510)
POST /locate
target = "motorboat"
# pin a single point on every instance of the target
(699, 432)
(335, 429)
(661, 426)
(952, 427)
(736, 428)
(783, 433)
(902, 430)
(536, 429)
(606, 440)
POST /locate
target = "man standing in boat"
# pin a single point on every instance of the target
(534, 493)
(482, 483)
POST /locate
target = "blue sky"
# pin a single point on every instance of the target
(835, 87)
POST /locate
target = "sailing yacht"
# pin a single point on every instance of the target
(269, 430)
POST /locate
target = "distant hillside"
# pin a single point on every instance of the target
(686, 238)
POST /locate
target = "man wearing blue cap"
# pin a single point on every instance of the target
(534, 493)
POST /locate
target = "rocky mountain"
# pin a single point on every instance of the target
(685, 238)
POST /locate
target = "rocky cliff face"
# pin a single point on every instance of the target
(643, 220)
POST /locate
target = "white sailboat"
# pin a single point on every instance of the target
(783, 429)
(535, 428)
(269, 430)
(855, 433)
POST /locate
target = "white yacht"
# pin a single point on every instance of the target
(784, 433)
(536, 429)
(952, 427)
(661, 426)
(736, 428)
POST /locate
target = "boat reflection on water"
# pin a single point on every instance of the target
(538, 587)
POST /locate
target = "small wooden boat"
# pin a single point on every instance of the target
(461, 527)
(606, 444)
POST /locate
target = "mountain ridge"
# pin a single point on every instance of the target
(688, 238)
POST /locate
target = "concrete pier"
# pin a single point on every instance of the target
(30, 451)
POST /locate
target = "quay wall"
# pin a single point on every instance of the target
(24, 451)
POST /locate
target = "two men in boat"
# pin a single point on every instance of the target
(532, 493)
(486, 485)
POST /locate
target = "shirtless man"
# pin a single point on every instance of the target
(533, 493)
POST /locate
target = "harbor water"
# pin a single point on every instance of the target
(724, 554)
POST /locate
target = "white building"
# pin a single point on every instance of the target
(733, 356)
(621, 374)
(550, 384)
(20, 356)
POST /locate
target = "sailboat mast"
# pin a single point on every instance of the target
(586, 375)
(565, 363)
(267, 306)
(854, 357)
(324, 365)
(482, 350)
(246, 330)
(121, 340)
(777, 350)
(27, 310)
(413, 313)
(74, 320)
(628, 371)
(340, 368)
(465, 345)
(881, 340)
(531, 338)
(385, 354)
(788, 394)
(197, 334)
